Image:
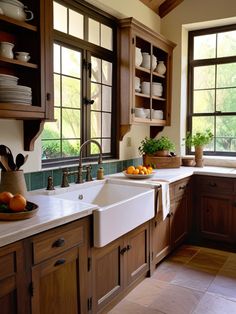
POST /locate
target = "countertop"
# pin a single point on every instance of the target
(54, 212)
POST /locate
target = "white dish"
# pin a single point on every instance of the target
(138, 176)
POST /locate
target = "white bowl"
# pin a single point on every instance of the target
(158, 114)
(139, 112)
(145, 87)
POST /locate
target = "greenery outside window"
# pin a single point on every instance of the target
(212, 87)
(84, 69)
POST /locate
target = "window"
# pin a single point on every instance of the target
(84, 70)
(212, 87)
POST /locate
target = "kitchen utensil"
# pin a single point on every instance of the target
(5, 151)
(20, 160)
(25, 159)
(4, 162)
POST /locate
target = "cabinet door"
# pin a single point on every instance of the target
(160, 234)
(108, 273)
(216, 217)
(56, 285)
(13, 299)
(137, 255)
(179, 222)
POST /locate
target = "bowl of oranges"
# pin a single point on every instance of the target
(139, 172)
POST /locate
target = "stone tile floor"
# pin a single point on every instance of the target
(192, 280)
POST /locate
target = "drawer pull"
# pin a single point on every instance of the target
(122, 251)
(60, 262)
(182, 187)
(59, 243)
(129, 247)
(212, 184)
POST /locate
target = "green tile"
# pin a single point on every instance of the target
(57, 176)
(37, 180)
(27, 181)
(112, 167)
(106, 168)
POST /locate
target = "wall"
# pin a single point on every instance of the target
(189, 15)
(11, 133)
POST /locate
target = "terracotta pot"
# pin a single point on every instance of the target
(199, 156)
(162, 153)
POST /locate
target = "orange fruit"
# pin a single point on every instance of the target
(141, 172)
(140, 167)
(17, 203)
(150, 169)
(130, 169)
(5, 197)
(136, 171)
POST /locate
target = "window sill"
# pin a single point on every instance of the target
(218, 161)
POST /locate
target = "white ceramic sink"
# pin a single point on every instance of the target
(121, 207)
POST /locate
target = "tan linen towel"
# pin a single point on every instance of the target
(163, 200)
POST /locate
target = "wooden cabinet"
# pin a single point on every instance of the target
(60, 272)
(34, 37)
(214, 208)
(118, 265)
(169, 233)
(13, 292)
(133, 34)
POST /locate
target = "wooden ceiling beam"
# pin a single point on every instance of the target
(168, 6)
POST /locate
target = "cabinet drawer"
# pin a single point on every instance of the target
(7, 265)
(179, 189)
(58, 240)
(214, 185)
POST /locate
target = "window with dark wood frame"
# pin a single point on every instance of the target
(212, 87)
(85, 83)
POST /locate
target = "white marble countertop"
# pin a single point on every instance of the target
(54, 212)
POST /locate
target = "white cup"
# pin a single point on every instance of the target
(139, 112)
(158, 114)
(6, 49)
(22, 56)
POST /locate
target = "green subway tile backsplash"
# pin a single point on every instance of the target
(38, 180)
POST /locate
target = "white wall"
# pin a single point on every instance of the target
(11, 133)
(189, 15)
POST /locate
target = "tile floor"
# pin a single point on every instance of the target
(192, 280)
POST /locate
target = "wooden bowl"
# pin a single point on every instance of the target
(30, 210)
(188, 162)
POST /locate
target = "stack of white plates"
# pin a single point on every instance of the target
(16, 94)
(8, 80)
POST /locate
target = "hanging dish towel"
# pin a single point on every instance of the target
(163, 200)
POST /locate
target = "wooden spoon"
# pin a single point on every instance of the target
(20, 159)
(4, 161)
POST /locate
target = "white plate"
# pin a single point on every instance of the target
(138, 176)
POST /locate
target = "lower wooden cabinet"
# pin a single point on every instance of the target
(13, 284)
(118, 265)
(169, 233)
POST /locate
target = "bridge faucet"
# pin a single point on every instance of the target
(80, 167)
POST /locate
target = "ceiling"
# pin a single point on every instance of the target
(162, 7)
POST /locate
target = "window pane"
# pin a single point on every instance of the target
(51, 130)
(226, 44)
(106, 98)
(95, 124)
(106, 72)
(226, 100)
(226, 133)
(226, 75)
(59, 17)
(204, 77)
(106, 146)
(106, 37)
(70, 148)
(51, 149)
(96, 70)
(106, 125)
(71, 62)
(57, 90)
(94, 32)
(204, 47)
(71, 92)
(94, 147)
(203, 101)
(70, 123)
(56, 58)
(96, 96)
(200, 124)
(76, 24)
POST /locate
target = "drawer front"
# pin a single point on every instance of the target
(7, 265)
(179, 188)
(215, 185)
(53, 242)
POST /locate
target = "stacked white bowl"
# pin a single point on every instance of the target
(158, 114)
(145, 87)
(157, 89)
(137, 84)
(140, 113)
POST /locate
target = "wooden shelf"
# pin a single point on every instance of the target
(150, 121)
(12, 21)
(17, 62)
(148, 96)
(143, 69)
(158, 98)
(157, 74)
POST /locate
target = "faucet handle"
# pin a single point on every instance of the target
(65, 182)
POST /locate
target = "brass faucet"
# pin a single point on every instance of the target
(80, 167)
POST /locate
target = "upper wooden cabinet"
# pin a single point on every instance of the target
(134, 35)
(34, 37)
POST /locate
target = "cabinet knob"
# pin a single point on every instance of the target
(88, 101)
(59, 243)
(60, 262)
(182, 187)
(122, 251)
(129, 247)
(48, 96)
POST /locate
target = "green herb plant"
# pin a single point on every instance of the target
(150, 146)
(198, 139)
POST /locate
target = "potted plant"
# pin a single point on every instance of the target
(198, 140)
(157, 147)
